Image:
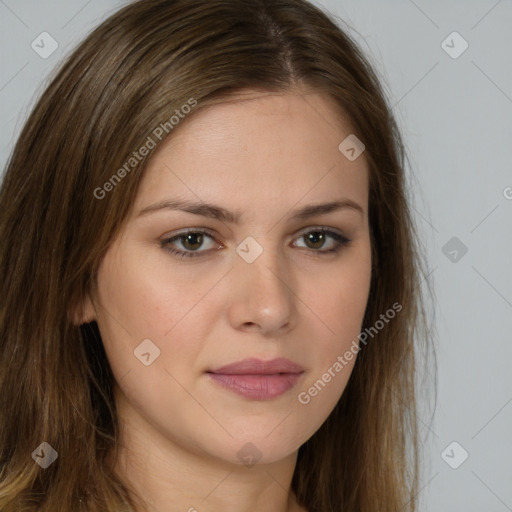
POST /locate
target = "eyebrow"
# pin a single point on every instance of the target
(216, 212)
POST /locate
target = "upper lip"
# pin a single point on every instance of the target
(254, 366)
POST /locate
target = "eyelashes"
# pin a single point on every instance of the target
(192, 240)
(191, 236)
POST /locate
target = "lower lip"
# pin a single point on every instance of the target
(257, 387)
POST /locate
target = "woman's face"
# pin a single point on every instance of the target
(263, 275)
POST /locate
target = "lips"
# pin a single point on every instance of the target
(255, 366)
(256, 379)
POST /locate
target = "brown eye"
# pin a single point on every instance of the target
(192, 241)
(322, 241)
(315, 239)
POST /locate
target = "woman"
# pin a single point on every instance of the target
(210, 273)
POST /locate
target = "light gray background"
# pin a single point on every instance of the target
(456, 116)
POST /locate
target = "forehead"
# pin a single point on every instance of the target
(251, 113)
(266, 147)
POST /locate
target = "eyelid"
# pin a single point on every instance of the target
(324, 229)
(186, 231)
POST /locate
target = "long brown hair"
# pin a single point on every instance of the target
(124, 81)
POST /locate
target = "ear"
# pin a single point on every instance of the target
(82, 311)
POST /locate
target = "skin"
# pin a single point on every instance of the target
(264, 157)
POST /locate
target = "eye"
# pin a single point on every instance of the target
(321, 240)
(198, 242)
(188, 243)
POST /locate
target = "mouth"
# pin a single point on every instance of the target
(256, 379)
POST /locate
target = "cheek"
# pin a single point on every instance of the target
(340, 294)
(129, 313)
(340, 305)
(151, 341)
(142, 297)
(142, 311)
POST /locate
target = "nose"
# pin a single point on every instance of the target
(262, 297)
